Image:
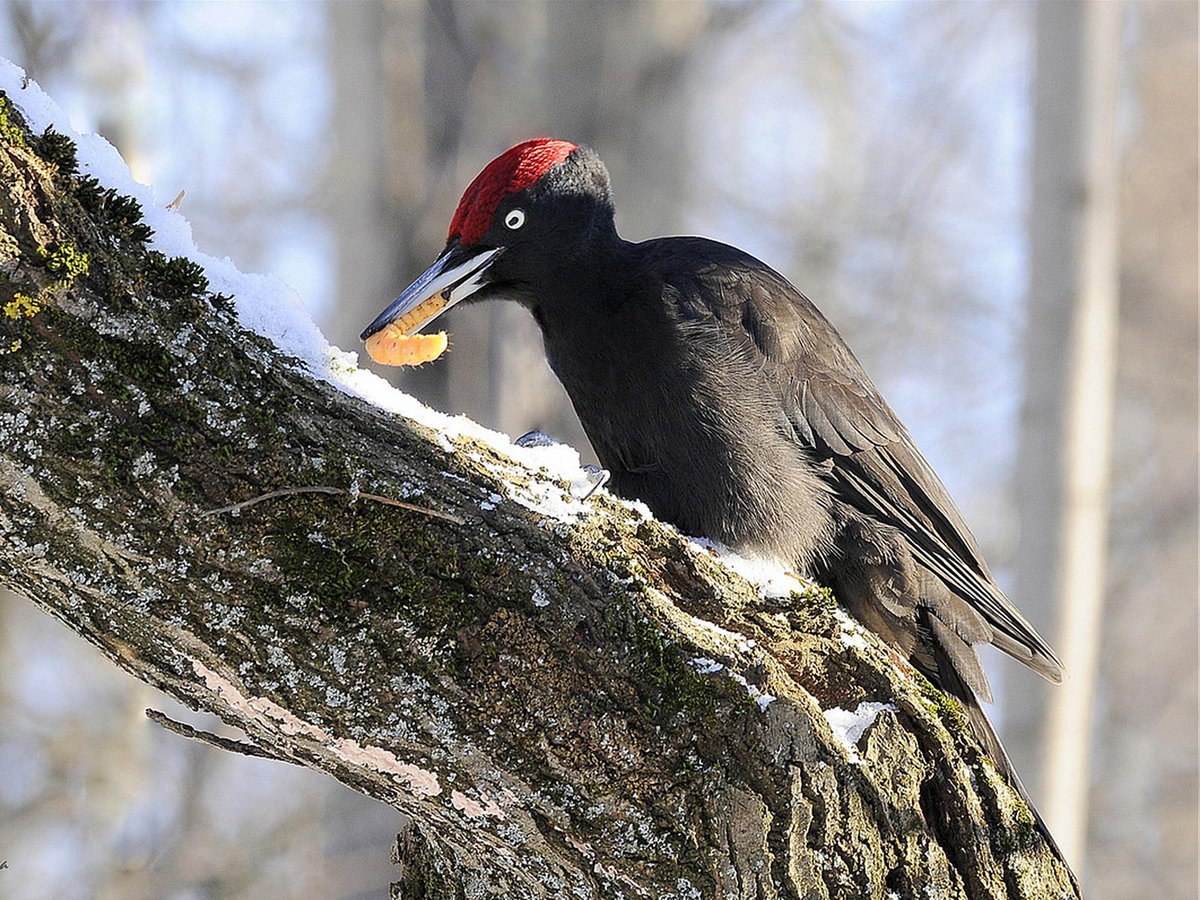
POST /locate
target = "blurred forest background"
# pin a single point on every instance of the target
(995, 203)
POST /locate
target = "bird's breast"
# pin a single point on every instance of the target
(697, 436)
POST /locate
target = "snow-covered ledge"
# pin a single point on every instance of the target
(567, 697)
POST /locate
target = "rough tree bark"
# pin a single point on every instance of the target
(564, 708)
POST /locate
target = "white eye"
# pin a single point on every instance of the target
(515, 219)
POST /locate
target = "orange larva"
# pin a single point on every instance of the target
(395, 346)
(420, 314)
(392, 347)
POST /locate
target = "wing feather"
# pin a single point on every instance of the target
(838, 415)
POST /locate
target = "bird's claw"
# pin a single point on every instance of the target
(535, 439)
(597, 476)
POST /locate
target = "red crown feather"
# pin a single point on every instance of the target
(513, 170)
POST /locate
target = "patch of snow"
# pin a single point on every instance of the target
(852, 639)
(549, 499)
(705, 666)
(850, 632)
(560, 460)
(774, 579)
(636, 506)
(740, 641)
(849, 727)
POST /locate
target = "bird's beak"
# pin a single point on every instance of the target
(454, 276)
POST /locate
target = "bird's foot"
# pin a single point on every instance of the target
(535, 439)
(596, 476)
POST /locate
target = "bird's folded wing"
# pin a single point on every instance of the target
(838, 416)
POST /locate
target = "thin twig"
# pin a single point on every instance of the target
(282, 492)
(437, 514)
(326, 489)
(187, 731)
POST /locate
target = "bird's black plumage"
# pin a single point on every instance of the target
(715, 392)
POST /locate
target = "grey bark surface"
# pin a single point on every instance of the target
(524, 688)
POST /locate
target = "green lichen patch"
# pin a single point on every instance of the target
(21, 306)
(678, 689)
(947, 709)
(818, 597)
(1014, 825)
(346, 556)
(12, 124)
(24, 299)
(64, 261)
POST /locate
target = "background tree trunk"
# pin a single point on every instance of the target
(565, 704)
(1064, 458)
(1143, 823)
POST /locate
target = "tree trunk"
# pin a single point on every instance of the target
(1142, 824)
(567, 699)
(1064, 456)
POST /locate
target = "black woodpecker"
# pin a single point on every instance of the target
(716, 393)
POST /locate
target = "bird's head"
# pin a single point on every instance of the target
(533, 207)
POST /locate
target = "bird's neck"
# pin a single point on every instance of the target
(586, 288)
(595, 325)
